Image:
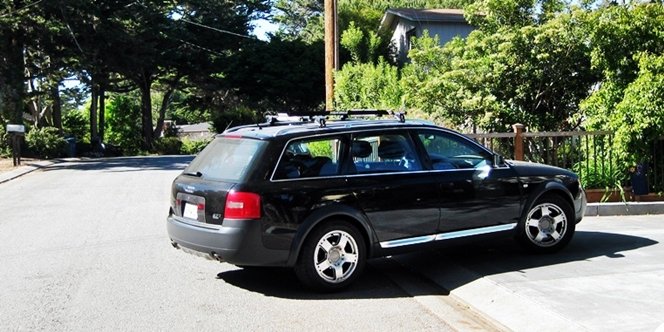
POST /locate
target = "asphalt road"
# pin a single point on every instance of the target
(83, 246)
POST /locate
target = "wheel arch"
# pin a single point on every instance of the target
(548, 188)
(337, 212)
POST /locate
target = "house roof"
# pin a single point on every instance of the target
(195, 128)
(421, 15)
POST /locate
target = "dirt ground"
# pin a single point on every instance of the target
(6, 164)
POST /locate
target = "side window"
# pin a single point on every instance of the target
(312, 157)
(447, 151)
(383, 153)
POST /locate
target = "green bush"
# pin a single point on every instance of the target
(193, 146)
(365, 85)
(167, 145)
(45, 142)
(5, 148)
(123, 116)
(76, 123)
(238, 116)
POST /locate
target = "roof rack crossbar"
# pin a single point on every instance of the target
(318, 117)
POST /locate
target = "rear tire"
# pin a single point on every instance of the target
(548, 226)
(332, 257)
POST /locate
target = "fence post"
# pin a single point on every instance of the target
(518, 141)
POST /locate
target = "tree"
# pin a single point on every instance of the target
(627, 48)
(535, 74)
(12, 68)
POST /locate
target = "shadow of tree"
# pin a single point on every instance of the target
(126, 164)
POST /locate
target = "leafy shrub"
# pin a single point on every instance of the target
(365, 85)
(167, 145)
(234, 117)
(45, 142)
(123, 116)
(193, 146)
(76, 123)
(5, 148)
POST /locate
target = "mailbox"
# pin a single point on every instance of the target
(15, 129)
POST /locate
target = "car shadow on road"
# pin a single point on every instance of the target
(282, 283)
(478, 260)
(125, 164)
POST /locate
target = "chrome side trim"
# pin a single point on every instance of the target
(447, 236)
(476, 231)
(408, 241)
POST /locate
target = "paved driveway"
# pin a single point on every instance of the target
(610, 278)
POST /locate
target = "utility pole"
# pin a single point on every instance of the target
(331, 53)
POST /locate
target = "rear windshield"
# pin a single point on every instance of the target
(226, 159)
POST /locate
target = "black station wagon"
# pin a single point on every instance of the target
(325, 197)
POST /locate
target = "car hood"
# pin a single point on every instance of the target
(524, 168)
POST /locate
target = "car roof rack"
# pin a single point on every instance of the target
(320, 117)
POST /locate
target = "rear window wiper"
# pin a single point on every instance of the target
(196, 174)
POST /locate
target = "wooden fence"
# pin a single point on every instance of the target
(588, 153)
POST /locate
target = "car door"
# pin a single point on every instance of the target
(475, 191)
(392, 187)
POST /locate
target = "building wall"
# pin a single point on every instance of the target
(445, 31)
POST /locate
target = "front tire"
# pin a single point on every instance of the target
(332, 257)
(548, 226)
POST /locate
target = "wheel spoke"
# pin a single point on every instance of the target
(540, 237)
(325, 245)
(559, 219)
(532, 222)
(324, 265)
(545, 210)
(343, 240)
(555, 235)
(350, 258)
(338, 271)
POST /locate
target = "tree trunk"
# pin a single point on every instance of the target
(57, 106)
(146, 113)
(93, 112)
(162, 112)
(102, 108)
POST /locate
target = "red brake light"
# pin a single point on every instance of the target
(242, 205)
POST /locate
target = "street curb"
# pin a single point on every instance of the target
(624, 209)
(29, 168)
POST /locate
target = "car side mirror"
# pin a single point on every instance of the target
(498, 160)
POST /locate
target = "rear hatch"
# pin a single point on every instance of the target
(201, 192)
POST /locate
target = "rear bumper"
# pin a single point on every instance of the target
(237, 242)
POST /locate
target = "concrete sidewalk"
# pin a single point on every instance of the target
(624, 209)
(610, 278)
(28, 167)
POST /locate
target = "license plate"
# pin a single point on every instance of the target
(190, 211)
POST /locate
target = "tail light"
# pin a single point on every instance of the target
(242, 205)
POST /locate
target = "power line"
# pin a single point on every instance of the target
(22, 8)
(216, 29)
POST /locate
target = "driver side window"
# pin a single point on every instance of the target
(449, 152)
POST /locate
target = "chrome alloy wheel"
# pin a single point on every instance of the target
(546, 224)
(336, 256)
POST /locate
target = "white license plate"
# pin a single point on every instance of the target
(190, 211)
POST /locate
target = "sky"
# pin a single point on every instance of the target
(262, 28)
